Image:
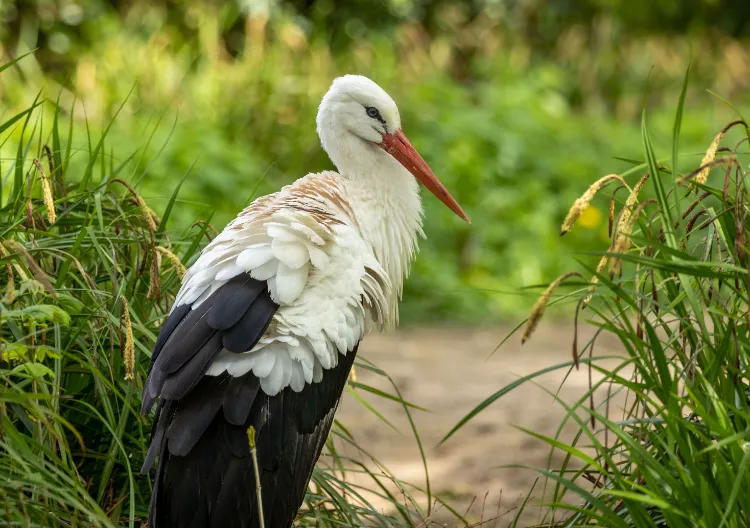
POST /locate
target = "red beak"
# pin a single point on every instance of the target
(399, 146)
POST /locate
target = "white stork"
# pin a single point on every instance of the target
(266, 325)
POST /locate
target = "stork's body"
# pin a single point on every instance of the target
(265, 328)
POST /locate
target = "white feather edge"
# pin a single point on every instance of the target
(329, 286)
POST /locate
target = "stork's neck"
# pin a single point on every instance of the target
(385, 200)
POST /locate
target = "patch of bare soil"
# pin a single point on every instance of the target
(449, 371)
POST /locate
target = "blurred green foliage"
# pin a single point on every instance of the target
(515, 105)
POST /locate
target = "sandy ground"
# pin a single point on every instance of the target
(449, 371)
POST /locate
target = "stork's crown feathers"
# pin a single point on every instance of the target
(356, 106)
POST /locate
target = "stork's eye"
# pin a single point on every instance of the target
(373, 112)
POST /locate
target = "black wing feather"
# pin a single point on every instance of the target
(197, 411)
(239, 398)
(190, 335)
(232, 303)
(177, 384)
(205, 476)
(171, 323)
(250, 327)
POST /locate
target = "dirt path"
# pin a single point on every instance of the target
(448, 372)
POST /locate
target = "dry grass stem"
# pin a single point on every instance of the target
(692, 206)
(146, 212)
(201, 223)
(129, 352)
(174, 260)
(14, 247)
(691, 223)
(258, 491)
(583, 202)
(701, 174)
(541, 305)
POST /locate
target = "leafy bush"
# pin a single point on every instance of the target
(88, 272)
(673, 288)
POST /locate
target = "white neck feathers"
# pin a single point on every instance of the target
(388, 212)
(384, 199)
(383, 196)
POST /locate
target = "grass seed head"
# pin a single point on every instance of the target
(701, 174)
(49, 199)
(541, 305)
(174, 260)
(146, 212)
(621, 243)
(709, 157)
(129, 352)
(154, 284)
(584, 200)
(631, 201)
(708, 160)
(10, 294)
(594, 281)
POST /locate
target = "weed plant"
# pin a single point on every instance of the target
(667, 444)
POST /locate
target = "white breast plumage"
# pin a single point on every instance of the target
(329, 286)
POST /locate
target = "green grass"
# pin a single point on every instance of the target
(88, 272)
(663, 431)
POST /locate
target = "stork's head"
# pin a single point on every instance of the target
(358, 117)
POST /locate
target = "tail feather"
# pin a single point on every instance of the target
(205, 478)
